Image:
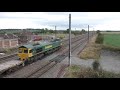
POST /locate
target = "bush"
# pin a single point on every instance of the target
(98, 31)
(96, 65)
(99, 38)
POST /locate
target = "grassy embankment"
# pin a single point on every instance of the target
(108, 41)
(83, 72)
(92, 50)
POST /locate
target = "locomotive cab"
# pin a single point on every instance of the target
(24, 53)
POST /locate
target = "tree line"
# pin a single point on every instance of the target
(43, 30)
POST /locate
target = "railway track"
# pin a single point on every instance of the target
(27, 70)
(61, 57)
(7, 58)
(66, 42)
(53, 62)
(75, 39)
(14, 56)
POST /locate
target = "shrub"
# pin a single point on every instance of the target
(96, 65)
(99, 38)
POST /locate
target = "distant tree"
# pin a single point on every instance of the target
(51, 31)
(67, 31)
(2, 32)
(108, 31)
(83, 31)
(98, 31)
(64, 31)
(42, 31)
(46, 30)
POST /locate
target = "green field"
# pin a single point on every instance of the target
(112, 40)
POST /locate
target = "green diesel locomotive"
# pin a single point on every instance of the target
(34, 51)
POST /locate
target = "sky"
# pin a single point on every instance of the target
(79, 20)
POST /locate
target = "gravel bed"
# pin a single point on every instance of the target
(110, 61)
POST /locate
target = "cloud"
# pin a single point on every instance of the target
(109, 25)
(97, 20)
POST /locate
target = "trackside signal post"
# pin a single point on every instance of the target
(69, 39)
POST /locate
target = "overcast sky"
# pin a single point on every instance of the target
(96, 20)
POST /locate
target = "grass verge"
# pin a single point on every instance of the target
(92, 50)
(83, 72)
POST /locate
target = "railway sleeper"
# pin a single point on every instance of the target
(54, 59)
(60, 59)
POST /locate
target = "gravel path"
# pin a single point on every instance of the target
(110, 61)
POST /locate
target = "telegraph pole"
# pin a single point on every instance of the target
(88, 33)
(55, 31)
(69, 39)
